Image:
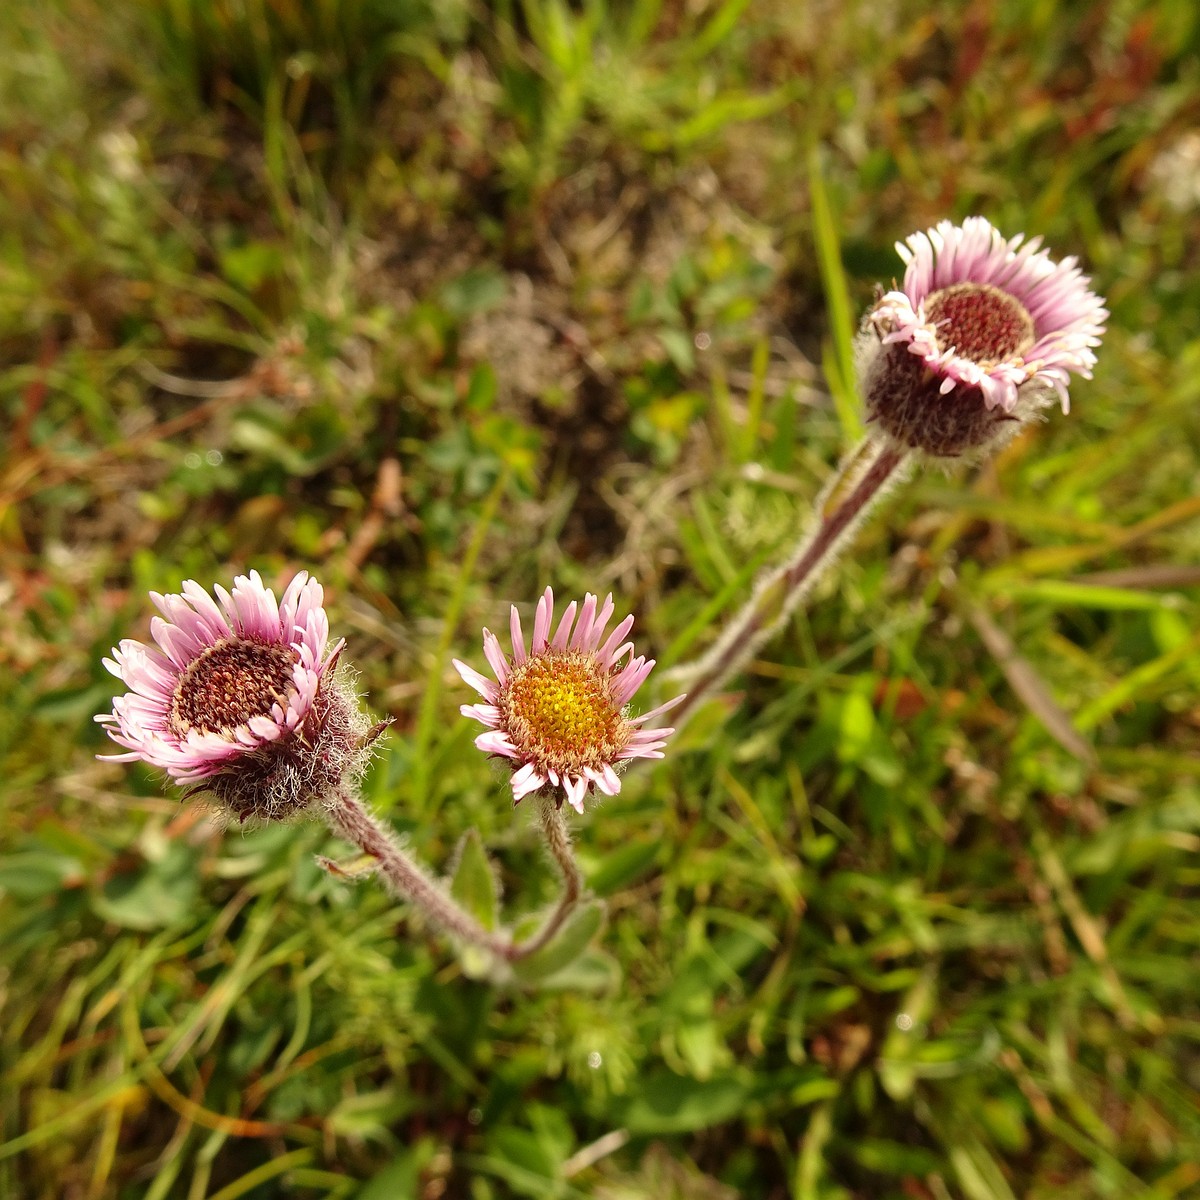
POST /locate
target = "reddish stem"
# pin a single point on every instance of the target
(814, 555)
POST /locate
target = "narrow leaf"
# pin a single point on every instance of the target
(1029, 687)
(474, 885)
(567, 945)
(839, 367)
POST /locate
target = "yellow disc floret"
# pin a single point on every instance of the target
(560, 713)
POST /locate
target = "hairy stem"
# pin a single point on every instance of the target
(558, 839)
(405, 878)
(859, 484)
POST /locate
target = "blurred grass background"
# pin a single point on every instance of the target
(446, 301)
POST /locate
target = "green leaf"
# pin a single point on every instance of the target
(481, 389)
(158, 895)
(402, 1176)
(33, 874)
(620, 868)
(856, 728)
(593, 973)
(474, 885)
(248, 267)
(679, 348)
(252, 436)
(566, 946)
(702, 1047)
(476, 291)
(671, 1103)
(888, 1157)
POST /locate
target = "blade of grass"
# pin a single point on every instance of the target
(719, 26)
(810, 1161)
(1081, 595)
(720, 602)
(839, 364)
(754, 400)
(1029, 686)
(428, 714)
(260, 1174)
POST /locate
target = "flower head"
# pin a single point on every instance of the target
(239, 698)
(984, 332)
(560, 710)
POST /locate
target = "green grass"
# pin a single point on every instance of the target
(447, 302)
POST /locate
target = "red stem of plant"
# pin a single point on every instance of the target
(742, 637)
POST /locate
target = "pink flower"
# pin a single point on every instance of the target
(239, 696)
(560, 710)
(984, 330)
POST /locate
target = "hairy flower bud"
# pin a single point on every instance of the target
(984, 333)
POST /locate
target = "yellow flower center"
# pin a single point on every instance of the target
(228, 684)
(981, 322)
(559, 712)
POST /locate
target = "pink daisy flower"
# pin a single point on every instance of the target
(239, 696)
(560, 710)
(984, 331)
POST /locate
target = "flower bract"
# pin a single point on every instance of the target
(559, 708)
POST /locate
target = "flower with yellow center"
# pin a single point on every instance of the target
(560, 710)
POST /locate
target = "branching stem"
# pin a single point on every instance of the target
(406, 879)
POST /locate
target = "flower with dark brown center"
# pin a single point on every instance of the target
(229, 683)
(240, 698)
(984, 333)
